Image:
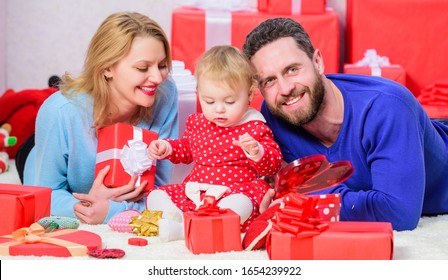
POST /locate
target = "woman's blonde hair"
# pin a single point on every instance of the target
(111, 42)
(229, 65)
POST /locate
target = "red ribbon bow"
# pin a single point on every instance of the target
(209, 207)
(299, 216)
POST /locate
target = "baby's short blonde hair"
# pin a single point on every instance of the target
(226, 64)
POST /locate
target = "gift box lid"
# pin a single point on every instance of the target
(310, 174)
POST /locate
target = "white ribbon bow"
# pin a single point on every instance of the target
(227, 5)
(374, 61)
(134, 158)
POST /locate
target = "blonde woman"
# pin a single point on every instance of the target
(125, 79)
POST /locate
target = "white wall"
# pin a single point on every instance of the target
(48, 37)
(2, 46)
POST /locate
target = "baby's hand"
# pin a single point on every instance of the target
(248, 144)
(158, 149)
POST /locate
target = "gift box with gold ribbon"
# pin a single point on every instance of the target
(298, 233)
(35, 241)
(22, 205)
(211, 229)
(124, 148)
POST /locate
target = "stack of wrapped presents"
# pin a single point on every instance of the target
(411, 34)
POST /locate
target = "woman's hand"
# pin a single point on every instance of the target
(128, 192)
(94, 206)
(91, 210)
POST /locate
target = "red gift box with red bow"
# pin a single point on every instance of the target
(124, 148)
(341, 241)
(298, 233)
(22, 205)
(212, 230)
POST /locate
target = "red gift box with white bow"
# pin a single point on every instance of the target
(292, 7)
(373, 64)
(124, 148)
(412, 33)
(195, 30)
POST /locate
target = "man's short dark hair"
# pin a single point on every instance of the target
(276, 28)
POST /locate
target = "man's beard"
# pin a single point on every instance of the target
(302, 116)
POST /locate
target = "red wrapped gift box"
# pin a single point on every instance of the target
(292, 7)
(434, 99)
(412, 33)
(341, 241)
(328, 206)
(59, 243)
(393, 72)
(207, 234)
(190, 26)
(124, 148)
(22, 205)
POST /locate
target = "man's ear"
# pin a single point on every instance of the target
(253, 90)
(318, 61)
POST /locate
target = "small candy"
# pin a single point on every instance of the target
(106, 253)
(137, 241)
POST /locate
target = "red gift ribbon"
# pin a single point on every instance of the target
(299, 216)
(36, 233)
(209, 207)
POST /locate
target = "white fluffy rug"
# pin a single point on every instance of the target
(429, 241)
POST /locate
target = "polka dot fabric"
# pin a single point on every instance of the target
(120, 222)
(217, 161)
(329, 206)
